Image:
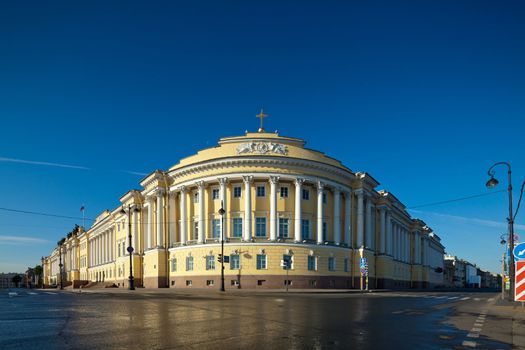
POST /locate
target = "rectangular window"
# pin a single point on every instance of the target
(261, 261)
(260, 191)
(260, 227)
(331, 263)
(209, 282)
(189, 263)
(123, 249)
(346, 265)
(283, 227)
(215, 193)
(196, 197)
(306, 194)
(189, 283)
(284, 192)
(312, 263)
(237, 191)
(210, 262)
(216, 224)
(325, 231)
(305, 229)
(173, 265)
(324, 198)
(119, 249)
(235, 262)
(237, 227)
(195, 230)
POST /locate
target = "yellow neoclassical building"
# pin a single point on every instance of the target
(282, 202)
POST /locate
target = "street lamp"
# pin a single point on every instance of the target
(131, 285)
(60, 265)
(491, 183)
(503, 242)
(221, 213)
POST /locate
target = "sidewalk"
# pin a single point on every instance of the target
(516, 312)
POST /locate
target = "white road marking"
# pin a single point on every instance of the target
(32, 293)
(473, 335)
(469, 343)
(465, 298)
(477, 299)
(50, 292)
(478, 324)
(452, 298)
(12, 294)
(474, 329)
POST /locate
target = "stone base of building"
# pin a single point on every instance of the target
(155, 282)
(262, 282)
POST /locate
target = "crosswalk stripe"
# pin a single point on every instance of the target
(50, 293)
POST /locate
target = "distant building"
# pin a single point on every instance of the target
(460, 273)
(6, 280)
(282, 201)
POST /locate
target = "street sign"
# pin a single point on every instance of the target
(130, 249)
(364, 272)
(363, 263)
(519, 283)
(519, 251)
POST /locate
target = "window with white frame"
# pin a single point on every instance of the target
(331, 263)
(210, 262)
(325, 231)
(260, 227)
(346, 265)
(261, 261)
(215, 193)
(312, 263)
(261, 191)
(195, 197)
(306, 194)
(235, 262)
(305, 229)
(237, 192)
(173, 265)
(283, 227)
(216, 225)
(195, 230)
(237, 227)
(284, 192)
(189, 263)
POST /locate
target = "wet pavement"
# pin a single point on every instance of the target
(192, 319)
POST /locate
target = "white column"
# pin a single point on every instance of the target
(406, 237)
(97, 244)
(171, 218)
(348, 218)
(382, 228)
(337, 216)
(274, 180)
(389, 238)
(90, 247)
(104, 246)
(247, 207)
(320, 187)
(360, 218)
(202, 215)
(416, 248)
(183, 226)
(298, 216)
(160, 221)
(223, 182)
(394, 240)
(149, 223)
(369, 234)
(112, 235)
(135, 233)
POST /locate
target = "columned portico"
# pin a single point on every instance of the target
(382, 235)
(369, 233)
(149, 223)
(202, 213)
(348, 218)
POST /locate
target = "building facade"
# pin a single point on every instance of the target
(282, 202)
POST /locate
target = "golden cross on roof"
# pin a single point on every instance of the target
(261, 116)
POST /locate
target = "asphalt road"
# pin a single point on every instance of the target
(50, 319)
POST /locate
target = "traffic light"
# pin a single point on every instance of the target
(220, 258)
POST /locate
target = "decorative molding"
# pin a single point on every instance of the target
(262, 148)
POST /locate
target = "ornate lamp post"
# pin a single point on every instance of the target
(60, 265)
(222, 212)
(131, 282)
(491, 183)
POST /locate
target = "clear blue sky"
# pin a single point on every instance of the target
(424, 96)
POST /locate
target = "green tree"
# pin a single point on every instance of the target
(16, 280)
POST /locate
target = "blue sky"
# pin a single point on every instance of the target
(424, 96)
